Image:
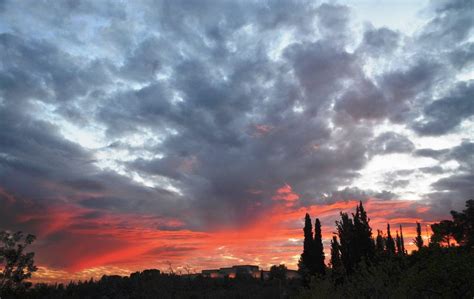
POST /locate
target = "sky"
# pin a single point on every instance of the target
(196, 134)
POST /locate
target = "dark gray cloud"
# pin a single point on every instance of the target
(333, 65)
(397, 183)
(37, 163)
(36, 69)
(463, 57)
(389, 143)
(457, 182)
(452, 191)
(430, 153)
(380, 41)
(355, 193)
(359, 97)
(432, 169)
(451, 24)
(445, 114)
(462, 153)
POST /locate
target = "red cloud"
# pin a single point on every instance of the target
(286, 193)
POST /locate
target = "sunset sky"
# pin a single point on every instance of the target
(197, 134)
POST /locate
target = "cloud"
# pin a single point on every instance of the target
(451, 23)
(432, 169)
(153, 128)
(390, 142)
(452, 191)
(380, 41)
(364, 100)
(445, 114)
(354, 193)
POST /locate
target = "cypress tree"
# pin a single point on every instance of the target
(402, 240)
(345, 231)
(389, 242)
(364, 243)
(418, 240)
(305, 264)
(398, 242)
(335, 253)
(379, 243)
(319, 266)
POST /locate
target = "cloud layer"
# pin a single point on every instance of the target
(139, 130)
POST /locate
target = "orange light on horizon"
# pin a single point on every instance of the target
(129, 242)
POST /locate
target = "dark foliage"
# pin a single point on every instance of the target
(156, 285)
(345, 231)
(460, 229)
(278, 272)
(16, 265)
(335, 253)
(429, 273)
(443, 233)
(306, 262)
(438, 271)
(379, 243)
(389, 243)
(464, 225)
(312, 258)
(355, 238)
(402, 241)
(319, 266)
(418, 240)
(364, 244)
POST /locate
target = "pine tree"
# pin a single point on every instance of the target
(319, 266)
(306, 262)
(464, 225)
(390, 244)
(418, 240)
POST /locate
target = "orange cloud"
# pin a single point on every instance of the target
(286, 193)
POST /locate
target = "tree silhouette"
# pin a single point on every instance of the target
(364, 243)
(345, 232)
(432, 272)
(402, 241)
(443, 232)
(16, 264)
(379, 243)
(389, 243)
(418, 239)
(398, 243)
(335, 253)
(306, 260)
(355, 236)
(464, 225)
(319, 266)
(278, 272)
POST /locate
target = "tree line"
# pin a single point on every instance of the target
(356, 254)
(361, 265)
